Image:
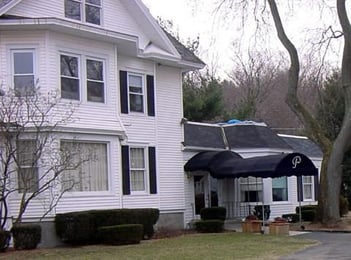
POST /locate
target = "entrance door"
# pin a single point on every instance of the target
(201, 193)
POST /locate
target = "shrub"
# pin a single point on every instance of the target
(308, 215)
(306, 207)
(213, 213)
(26, 236)
(81, 227)
(344, 206)
(209, 226)
(121, 234)
(5, 237)
(292, 217)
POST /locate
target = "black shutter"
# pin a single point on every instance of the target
(125, 170)
(152, 170)
(150, 95)
(123, 91)
(299, 188)
(316, 187)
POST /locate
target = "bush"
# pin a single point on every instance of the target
(213, 213)
(26, 236)
(344, 206)
(81, 227)
(306, 207)
(5, 237)
(121, 234)
(209, 226)
(292, 217)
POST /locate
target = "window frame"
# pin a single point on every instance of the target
(247, 182)
(311, 184)
(83, 76)
(143, 94)
(31, 50)
(79, 62)
(83, 4)
(145, 171)
(103, 62)
(34, 165)
(108, 170)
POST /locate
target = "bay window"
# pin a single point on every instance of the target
(23, 67)
(27, 170)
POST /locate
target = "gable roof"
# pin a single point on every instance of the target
(160, 48)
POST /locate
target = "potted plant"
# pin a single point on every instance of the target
(251, 224)
(280, 226)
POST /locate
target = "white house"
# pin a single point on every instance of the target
(112, 58)
(215, 143)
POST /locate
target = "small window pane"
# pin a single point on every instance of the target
(96, 92)
(94, 2)
(92, 14)
(69, 66)
(137, 181)
(135, 81)
(24, 85)
(70, 88)
(73, 9)
(136, 103)
(23, 63)
(95, 70)
(27, 171)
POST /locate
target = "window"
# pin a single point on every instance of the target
(307, 187)
(137, 169)
(95, 81)
(251, 189)
(88, 171)
(136, 93)
(280, 188)
(91, 13)
(69, 77)
(23, 71)
(27, 173)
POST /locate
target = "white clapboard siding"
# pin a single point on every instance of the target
(169, 137)
(115, 16)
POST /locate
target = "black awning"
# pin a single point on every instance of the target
(272, 166)
(203, 160)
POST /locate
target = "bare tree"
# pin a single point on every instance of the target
(331, 171)
(31, 160)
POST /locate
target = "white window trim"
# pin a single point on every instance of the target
(83, 88)
(103, 76)
(312, 189)
(109, 191)
(83, 4)
(79, 75)
(143, 88)
(20, 49)
(146, 171)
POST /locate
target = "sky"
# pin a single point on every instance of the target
(220, 34)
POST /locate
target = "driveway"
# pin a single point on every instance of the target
(333, 246)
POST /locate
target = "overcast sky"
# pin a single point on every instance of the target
(218, 32)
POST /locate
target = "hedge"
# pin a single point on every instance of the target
(209, 226)
(121, 234)
(213, 213)
(81, 227)
(26, 236)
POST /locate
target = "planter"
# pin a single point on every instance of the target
(251, 226)
(279, 228)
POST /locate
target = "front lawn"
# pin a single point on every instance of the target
(197, 246)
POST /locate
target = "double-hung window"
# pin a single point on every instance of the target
(70, 73)
(72, 76)
(138, 171)
(27, 170)
(136, 92)
(88, 169)
(23, 67)
(307, 183)
(280, 188)
(251, 189)
(95, 80)
(84, 10)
